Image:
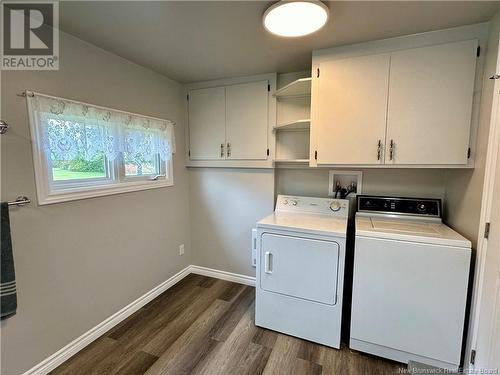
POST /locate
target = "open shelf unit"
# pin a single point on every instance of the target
(294, 124)
(293, 121)
(291, 161)
(295, 162)
(299, 87)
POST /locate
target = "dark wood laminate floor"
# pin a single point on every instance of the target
(206, 326)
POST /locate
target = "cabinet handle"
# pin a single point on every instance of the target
(391, 150)
(222, 150)
(379, 149)
(268, 262)
(228, 149)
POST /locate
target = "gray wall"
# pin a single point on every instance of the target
(393, 182)
(396, 182)
(79, 262)
(225, 205)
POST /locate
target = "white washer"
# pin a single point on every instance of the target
(300, 268)
(410, 282)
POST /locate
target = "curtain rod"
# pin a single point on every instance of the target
(28, 93)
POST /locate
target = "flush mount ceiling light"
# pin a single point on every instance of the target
(295, 18)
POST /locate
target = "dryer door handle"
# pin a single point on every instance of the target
(268, 262)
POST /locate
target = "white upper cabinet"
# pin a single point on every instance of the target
(350, 113)
(231, 122)
(207, 123)
(401, 107)
(246, 121)
(430, 104)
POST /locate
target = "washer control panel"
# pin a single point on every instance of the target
(325, 206)
(424, 207)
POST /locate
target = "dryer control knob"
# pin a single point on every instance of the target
(335, 206)
(294, 203)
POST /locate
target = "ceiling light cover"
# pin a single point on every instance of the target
(295, 18)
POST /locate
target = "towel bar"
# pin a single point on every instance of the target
(20, 201)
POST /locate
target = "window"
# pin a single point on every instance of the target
(81, 150)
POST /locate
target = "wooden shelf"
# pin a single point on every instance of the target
(297, 124)
(292, 161)
(299, 87)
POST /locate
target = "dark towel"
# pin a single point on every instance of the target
(8, 294)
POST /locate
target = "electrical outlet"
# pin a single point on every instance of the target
(181, 249)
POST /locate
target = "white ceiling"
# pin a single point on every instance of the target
(202, 40)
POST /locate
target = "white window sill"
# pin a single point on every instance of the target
(67, 195)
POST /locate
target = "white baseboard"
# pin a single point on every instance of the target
(94, 333)
(223, 275)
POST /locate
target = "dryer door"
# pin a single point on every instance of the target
(299, 267)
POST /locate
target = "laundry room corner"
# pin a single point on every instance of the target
(304, 187)
(224, 207)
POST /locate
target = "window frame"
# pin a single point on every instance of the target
(162, 173)
(60, 185)
(68, 190)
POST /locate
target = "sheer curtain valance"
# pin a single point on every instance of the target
(71, 128)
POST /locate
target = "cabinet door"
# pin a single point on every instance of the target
(351, 110)
(247, 120)
(207, 123)
(430, 104)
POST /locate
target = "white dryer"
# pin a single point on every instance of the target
(410, 282)
(300, 268)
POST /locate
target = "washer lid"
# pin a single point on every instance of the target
(305, 223)
(430, 232)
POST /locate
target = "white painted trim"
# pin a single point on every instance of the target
(46, 194)
(94, 333)
(231, 81)
(272, 79)
(59, 196)
(485, 216)
(223, 275)
(477, 31)
(428, 38)
(256, 164)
